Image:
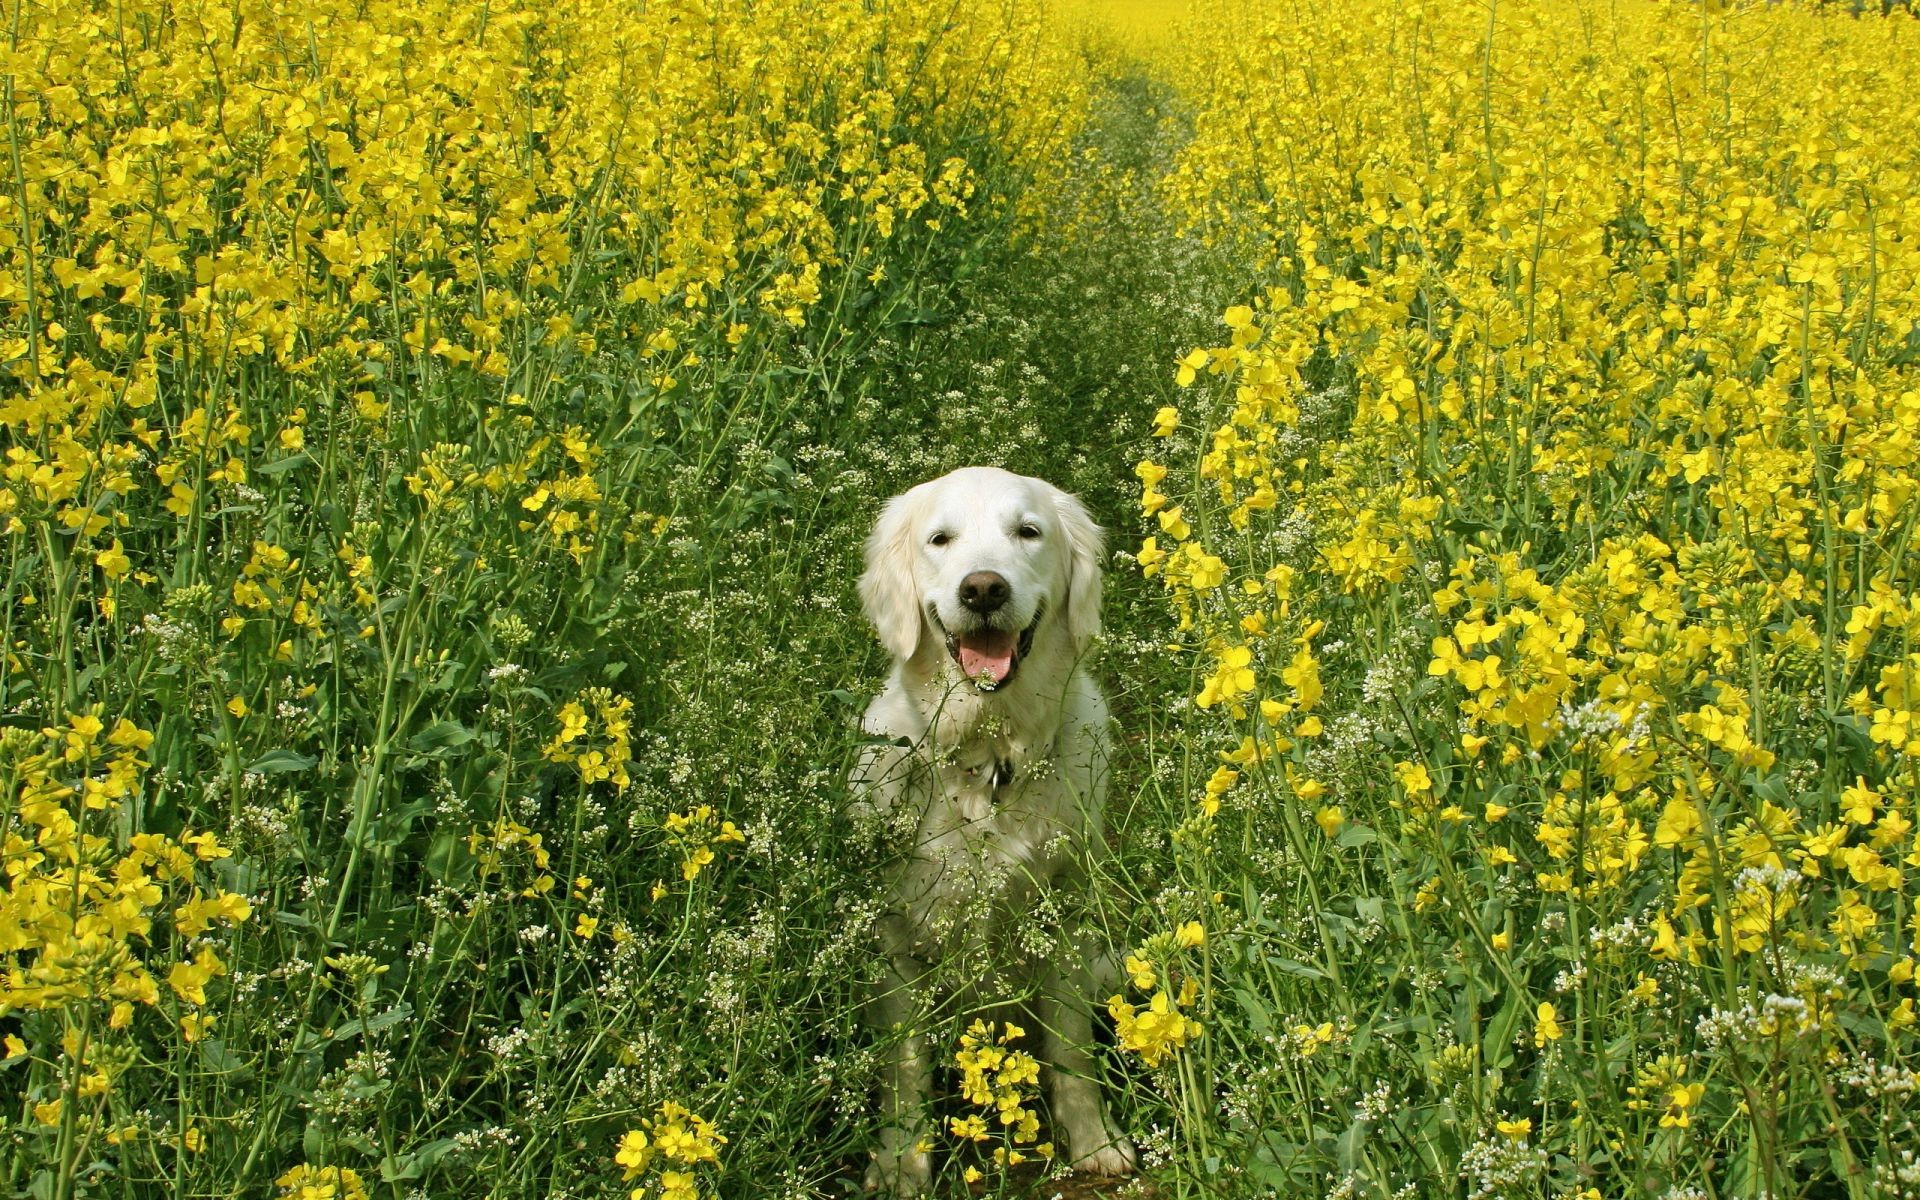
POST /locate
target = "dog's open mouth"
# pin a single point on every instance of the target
(990, 657)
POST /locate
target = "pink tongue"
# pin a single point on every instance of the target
(989, 653)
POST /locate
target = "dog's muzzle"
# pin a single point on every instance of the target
(989, 657)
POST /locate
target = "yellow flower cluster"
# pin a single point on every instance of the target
(242, 244)
(1163, 1025)
(1585, 366)
(510, 848)
(1739, 392)
(593, 737)
(997, 1077)
(673, 1135)
(306, 1182)
(695, 833)
(84, 919)
(1660, 1085)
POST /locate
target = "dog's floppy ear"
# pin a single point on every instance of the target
(1086, 549)
(888, 590)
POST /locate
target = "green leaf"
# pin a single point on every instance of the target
(412, 1165)
(214, 1052)
(1355, 835)
(441, 735)
(275, 761)
(1255, 1010)
(386, 1020)
(1496, 1049)
(280, 466)
(1292, 967)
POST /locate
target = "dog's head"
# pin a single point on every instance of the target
(982, 561)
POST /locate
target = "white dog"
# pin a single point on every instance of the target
(991, 753)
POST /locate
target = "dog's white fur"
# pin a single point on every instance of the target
(1000, 788)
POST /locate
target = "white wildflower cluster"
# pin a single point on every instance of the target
(1589, 719)
(1291, 537)
(1385, 680)
(1897, 1177)
(1243, 1095)
(1348, 1187)
(1377, 1104)
(173, 641)
(1157, 1147)
(1499, 1165)
(1622, 935)
(1320, 413)
(1753, 1020)
(504, 1047)
(263, 825)
(1570, 978)
(1767, 878)
(1879, 1080)
(1816, 979)
(353, 1087)
(477, 1141)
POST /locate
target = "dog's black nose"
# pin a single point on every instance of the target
(984, 591)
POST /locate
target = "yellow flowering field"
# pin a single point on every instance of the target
(1540, 530)
(435, 445)
(380, 387)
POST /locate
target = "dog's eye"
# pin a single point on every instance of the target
(1030, 531)
(940, 539)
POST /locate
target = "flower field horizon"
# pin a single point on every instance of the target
(437, 444)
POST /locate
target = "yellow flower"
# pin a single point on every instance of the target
(1546, 1025)
(1666, 943)
(1154, 1032)
(1681, 1098)
(1141, 973)
(677, 1185)
(1413, 778)
(114, 561)
(189, 980)
(306, 1182)
(1515, 1129)
(634, 1152)
(1150, 556)
(1232, 677)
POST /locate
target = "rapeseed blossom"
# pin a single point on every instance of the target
(1595, 452)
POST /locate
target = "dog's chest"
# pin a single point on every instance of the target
(992, 838)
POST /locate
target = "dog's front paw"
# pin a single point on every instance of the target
(903, 1172)
(1117, 1157)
